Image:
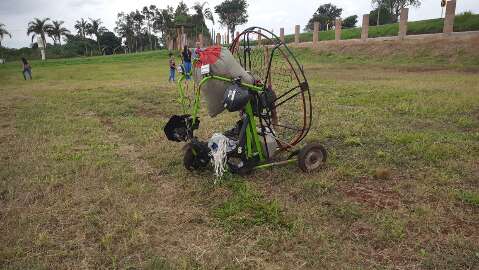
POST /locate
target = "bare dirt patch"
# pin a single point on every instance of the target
(372, 193)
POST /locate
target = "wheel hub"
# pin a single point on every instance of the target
(313, 160)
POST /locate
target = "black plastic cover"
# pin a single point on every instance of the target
(236, 98)
(180, 128)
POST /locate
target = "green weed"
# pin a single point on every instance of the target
(246, 207)
(468, 197)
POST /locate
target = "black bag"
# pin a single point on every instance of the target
(180, 128)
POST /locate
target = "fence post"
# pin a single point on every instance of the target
(365, 27)
(182, 39)
(449, 18)
(296, 34)
(403, 23)
(178, 40)
(337, 29)
(281, 34)
(316, 34)
(259, 37)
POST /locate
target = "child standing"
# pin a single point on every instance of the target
(172, 68)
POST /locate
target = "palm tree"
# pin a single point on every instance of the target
(82, 26)
(39, 27)
(95, 29)
(203, 14)
(57, 31)
(3, 32)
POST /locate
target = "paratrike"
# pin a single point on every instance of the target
(259, 78)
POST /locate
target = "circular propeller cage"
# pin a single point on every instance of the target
(271, 62)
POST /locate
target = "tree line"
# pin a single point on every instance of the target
(148, 28)
(384, 12)
(151, 27)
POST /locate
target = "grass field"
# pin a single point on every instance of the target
(465, 22)
(88, 180)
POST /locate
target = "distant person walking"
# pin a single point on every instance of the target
(186, 57)
(27, 69)
(172, 68)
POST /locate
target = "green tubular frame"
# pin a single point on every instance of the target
(253, 143)
(182, 99)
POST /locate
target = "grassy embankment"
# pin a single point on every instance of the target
(467, 22)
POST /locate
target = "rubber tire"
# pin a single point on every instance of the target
(243, 171)
(305, 154)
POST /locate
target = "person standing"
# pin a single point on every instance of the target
(186, 56)
(172, 68)
(27, 69)
(197, 50)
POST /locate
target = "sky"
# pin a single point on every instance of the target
(270, 14)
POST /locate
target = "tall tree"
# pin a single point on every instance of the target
(165, 23)
(94, 28)
(39, 27)
(325, 15)
(149, 14)
(380, 7)
(232, 13)
(56, 31)
(395, 6)
(81, 26)
(124, 28)
(181, 10)
(109, 42)
(82, 29)
(157, 21)
(384, 17)
(202, 14)
(3, 32)
(138, 21)
(349, 22)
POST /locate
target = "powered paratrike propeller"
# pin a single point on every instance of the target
(259, 77)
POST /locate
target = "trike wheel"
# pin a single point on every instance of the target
(312, 157)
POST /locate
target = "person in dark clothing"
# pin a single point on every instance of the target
(27, 69)
(186, 56)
